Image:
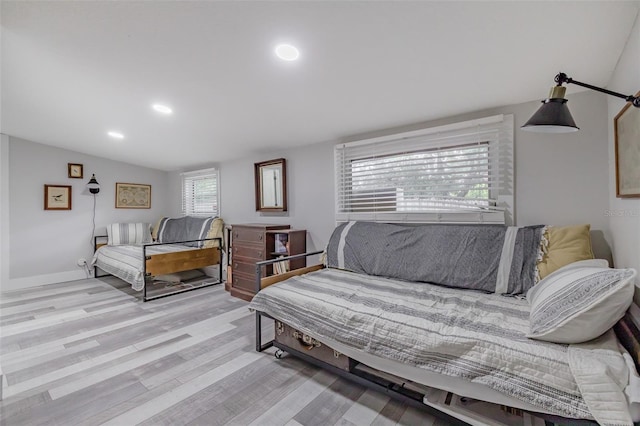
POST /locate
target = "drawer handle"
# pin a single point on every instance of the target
(260, 237)
(305, 340)
(235, 235)
(279, 328)
(235, 266)
(235, 249)
(260, 254)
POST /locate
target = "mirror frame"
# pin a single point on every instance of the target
(258, 182)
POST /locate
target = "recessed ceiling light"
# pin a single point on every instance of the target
(286, 52)
(116, 135)
(162, 109)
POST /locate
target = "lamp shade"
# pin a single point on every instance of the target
(93, 185)
(553, 116)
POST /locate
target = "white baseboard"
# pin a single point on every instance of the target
(37, 280)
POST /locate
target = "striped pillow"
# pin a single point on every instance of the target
(579, 302)
(128, 234)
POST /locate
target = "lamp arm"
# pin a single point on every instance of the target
(562, 78)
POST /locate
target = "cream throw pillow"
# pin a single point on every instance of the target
(156, 227)
(215, 231)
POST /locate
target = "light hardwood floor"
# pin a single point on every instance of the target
(90, 352)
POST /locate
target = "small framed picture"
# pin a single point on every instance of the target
(75, 170)
(57, 197)
(133, 196)
(627, 148)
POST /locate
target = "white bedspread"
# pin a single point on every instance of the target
(602, 374)
(474, 336)
(127, 263)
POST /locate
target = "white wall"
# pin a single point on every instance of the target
(45, 245)
(4, 210)
(309, 191)
(625, 213)
(560, 179)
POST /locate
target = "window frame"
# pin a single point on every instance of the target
(193, 176)
(496, 132)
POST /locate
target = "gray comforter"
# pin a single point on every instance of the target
(187, 228)
(492, 258)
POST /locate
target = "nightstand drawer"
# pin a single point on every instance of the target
(248, 252)
(247, 234)
(244, 282)
(248, 268)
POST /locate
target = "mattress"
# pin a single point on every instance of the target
(424, 377)
(127, 263)
(475, 338)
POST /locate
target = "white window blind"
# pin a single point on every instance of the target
(456, 173)
(200, 193)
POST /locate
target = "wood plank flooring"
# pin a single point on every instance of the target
(90, 352)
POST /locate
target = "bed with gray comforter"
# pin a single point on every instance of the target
(378, 297)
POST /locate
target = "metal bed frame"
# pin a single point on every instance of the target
(147, 275)
(370, 381)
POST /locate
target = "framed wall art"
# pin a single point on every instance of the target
(133, 196)
(271, 185)
(57, 197)
(75, 170)
(627, 146)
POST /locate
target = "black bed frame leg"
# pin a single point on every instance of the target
(259, 346)
(258, 332)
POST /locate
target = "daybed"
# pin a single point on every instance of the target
(375, 316)
(176, 249)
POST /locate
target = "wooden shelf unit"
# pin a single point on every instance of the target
(254, 242)
(294, 241)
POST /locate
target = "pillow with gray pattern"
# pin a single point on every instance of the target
(579, 302)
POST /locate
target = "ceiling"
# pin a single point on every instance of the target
(72, 71)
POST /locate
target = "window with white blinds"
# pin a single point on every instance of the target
(456, 173)
(200, 193)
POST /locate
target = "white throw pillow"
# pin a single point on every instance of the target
(128, 234)
(579, 302)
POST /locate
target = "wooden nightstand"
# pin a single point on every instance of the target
(254, 242)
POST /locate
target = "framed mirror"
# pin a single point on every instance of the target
(271, 185)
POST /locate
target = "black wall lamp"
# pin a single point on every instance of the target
(93, 185)
(554, 116)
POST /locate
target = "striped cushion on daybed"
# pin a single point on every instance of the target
(122, 234)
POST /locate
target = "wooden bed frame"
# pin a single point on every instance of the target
(626, 330)
(167, 263)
